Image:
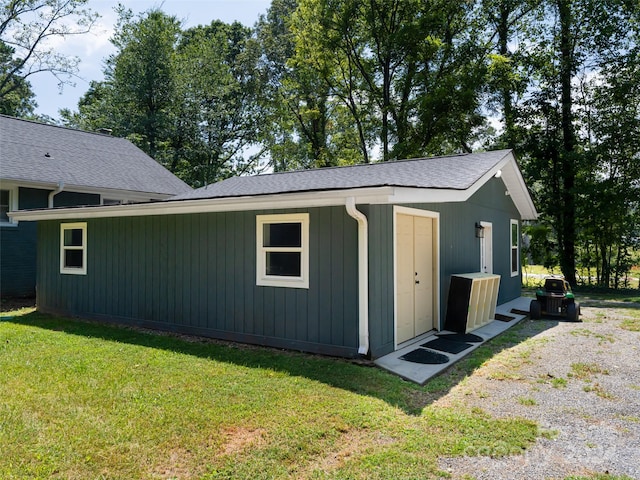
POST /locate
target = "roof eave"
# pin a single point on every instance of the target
(510, 174)
(118, 194)
(378, 195)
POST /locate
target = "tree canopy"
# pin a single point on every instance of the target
(319, 83)
(25, 28)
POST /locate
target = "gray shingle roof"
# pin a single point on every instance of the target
(80, 159)
(458, 172)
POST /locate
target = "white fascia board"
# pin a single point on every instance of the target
(511, 177)
(113, 193)
(513, 180)
(425, 195)
(379, 195)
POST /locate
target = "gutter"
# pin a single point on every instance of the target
(363, 275)
(55, 192)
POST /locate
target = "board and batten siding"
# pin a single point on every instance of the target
(196, 273)
(381, 278)
(459, 253)
(18, 242)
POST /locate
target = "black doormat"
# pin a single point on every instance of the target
(461, 337)
(420, 355)
(503, 318)
(445, 345)
(519, 312)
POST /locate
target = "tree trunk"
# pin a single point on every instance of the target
(567, 158)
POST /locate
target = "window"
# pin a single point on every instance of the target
(73, 248)
(515, 248)
(282, 253)
(8, 200)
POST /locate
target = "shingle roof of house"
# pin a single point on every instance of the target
(48, 154)
(457, 172)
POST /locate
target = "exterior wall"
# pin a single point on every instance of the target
(18, 243)
(381, 278)
(459, 253)
(196, 273)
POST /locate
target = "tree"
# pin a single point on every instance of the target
(407, 71)
(143, 75)
(576, 39)
(190, 99)
(218, 111)
(307, 127)
(609, 200)
(25, 28)
(18, 99)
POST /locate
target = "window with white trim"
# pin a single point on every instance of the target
(282, 250)
(73, 248)
(515, 248)
(8, 203)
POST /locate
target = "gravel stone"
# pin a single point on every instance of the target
(579, 381)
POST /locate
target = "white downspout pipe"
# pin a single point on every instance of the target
(54, 193)
(363, 275)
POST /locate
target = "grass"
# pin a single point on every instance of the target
(632, 322)
(527, 401)
(85, 400)
(532, 278)
(588, 333)
(585, 371)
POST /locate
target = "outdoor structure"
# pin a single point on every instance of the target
(45, 166)
(341, 261)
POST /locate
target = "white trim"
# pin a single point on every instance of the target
(511, 177)
(107, 192)
(363, 275)
(483, 247)
(378, 195)
(515, 222)
(262, 279)
(13, 205)
(398, 210)
(55, 192)
(72, 270)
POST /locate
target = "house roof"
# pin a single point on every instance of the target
(40, 154)
(427, 180)
(456, 172)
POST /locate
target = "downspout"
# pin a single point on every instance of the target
(363, 275)
(55, 192)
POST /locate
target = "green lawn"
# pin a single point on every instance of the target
(81, 400)
(533, 277)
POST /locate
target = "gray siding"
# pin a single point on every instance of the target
(18, 243)
(459, 253)
(196, 273)
(381, 286)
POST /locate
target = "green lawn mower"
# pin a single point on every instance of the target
(555, 299)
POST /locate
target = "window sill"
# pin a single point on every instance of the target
(283, 282)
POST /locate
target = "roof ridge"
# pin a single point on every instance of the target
(370, 164)
(71, 129)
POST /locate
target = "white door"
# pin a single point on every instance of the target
(486, 248)
(414, 272)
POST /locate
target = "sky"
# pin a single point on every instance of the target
(94, 48)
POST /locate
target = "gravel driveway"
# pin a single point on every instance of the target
(579, 381)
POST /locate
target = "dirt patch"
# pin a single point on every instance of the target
(350, 443)
(16, 303)
(238, 439)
